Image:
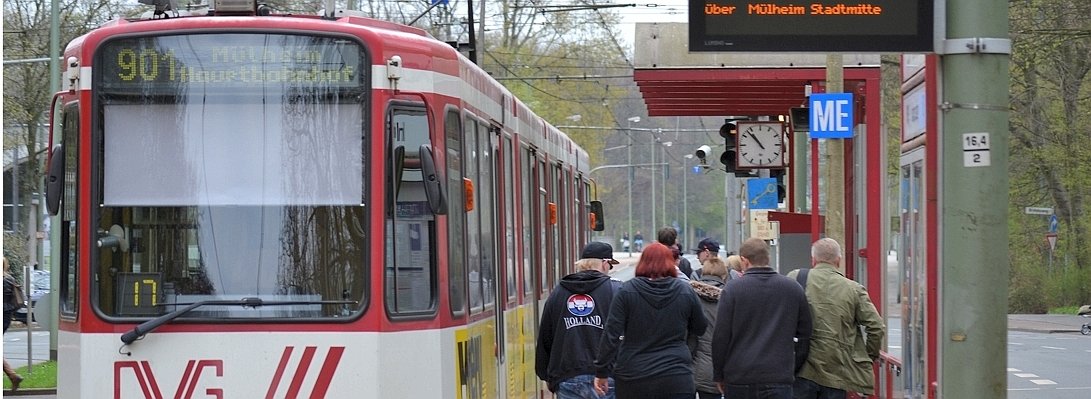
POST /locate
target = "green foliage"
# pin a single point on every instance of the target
(43, 377)
(1051, 141)
(1064, 310)
(15, 250)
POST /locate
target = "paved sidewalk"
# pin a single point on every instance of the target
(1046, 323)
(15, 352)
(15, 345)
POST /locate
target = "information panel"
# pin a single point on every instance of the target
(230, 61)
(806, 26)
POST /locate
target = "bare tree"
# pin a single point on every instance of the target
(26, 84)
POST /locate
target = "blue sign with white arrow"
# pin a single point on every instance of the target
(1053, 224)
(831, 116)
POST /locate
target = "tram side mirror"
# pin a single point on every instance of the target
(54, 180)
(399, 168)
(433, 182)
(598, 222)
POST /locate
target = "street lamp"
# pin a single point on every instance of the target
(655, 148)
(664, 193)
(629, 132)
(685, 199)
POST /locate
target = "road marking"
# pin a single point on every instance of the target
(1026, 375)
(1012, 370)
(1043, 382)
(1054, 347)
(1073, 388)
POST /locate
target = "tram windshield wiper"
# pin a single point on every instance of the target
(151, 325)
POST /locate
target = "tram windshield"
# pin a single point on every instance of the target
(230, 166)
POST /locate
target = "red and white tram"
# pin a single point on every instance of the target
(297, 206)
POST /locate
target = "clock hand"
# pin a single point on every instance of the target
(756, 140)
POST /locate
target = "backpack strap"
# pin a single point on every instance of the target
(801, 278)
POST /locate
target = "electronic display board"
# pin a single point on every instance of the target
(230, 60)
(805, 26)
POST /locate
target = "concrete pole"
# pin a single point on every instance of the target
(973, 207)
(834, 175)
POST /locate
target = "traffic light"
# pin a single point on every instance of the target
(780, 175)
(728, 131)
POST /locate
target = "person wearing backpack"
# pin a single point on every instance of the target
(13, 300)
(840, 358)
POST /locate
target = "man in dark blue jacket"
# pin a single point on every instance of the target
(572, 322)
(763, 330)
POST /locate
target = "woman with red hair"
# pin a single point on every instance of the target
(652, 313)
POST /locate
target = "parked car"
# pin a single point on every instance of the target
(39, 287)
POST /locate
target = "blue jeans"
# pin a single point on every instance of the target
(582, 387)
(807, 389)
(758, 391)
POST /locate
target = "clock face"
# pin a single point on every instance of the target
(760, 145)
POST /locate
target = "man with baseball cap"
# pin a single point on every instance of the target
(706, 249)
(573, 319)
(599, 250)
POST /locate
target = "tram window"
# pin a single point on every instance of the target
(473, 248)
(69, 265)
(410, 271)
(556, 229)
(508, 228)
(526, 179)
(487, 187)
(456, 268)
(208, 208)
(548, 267)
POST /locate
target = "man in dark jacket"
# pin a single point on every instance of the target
(757, 321)
(573, 319)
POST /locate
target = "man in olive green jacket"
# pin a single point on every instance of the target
(839, 360)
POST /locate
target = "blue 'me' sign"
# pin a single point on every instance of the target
(831, 116)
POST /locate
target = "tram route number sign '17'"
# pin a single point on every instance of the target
(811, 25)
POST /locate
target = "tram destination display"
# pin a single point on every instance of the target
(231, 60)
(811, 26)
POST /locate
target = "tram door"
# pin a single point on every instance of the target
(912, 283)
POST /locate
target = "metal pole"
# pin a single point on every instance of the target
(685, 201)
(629, 150)
(53, 312)
(655, 143)
(666, 221)
(973, 202)
(28, 290)
(729, 206)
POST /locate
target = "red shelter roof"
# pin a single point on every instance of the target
(735, 91)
